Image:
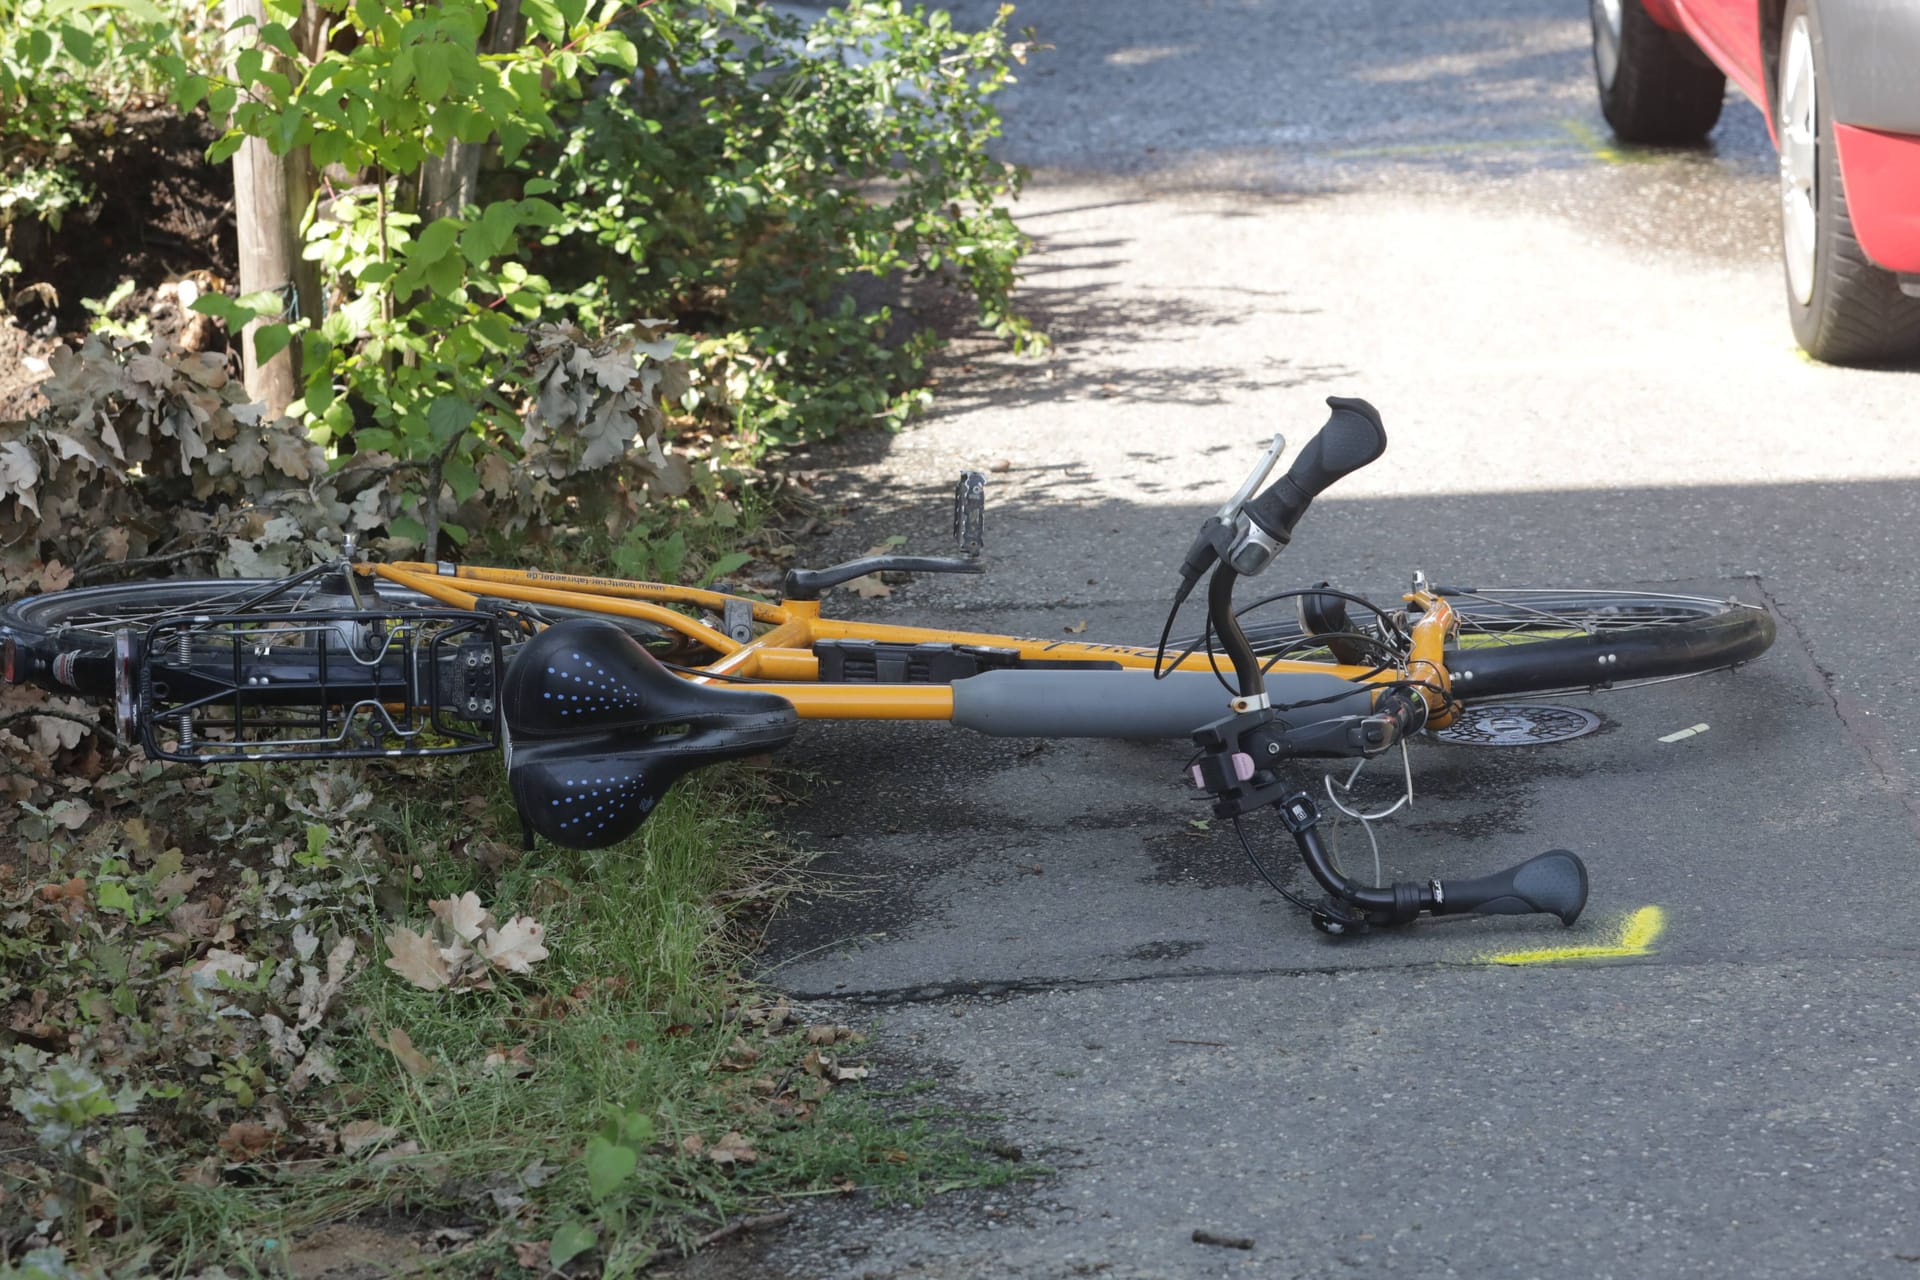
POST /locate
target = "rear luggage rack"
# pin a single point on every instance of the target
(342, 685)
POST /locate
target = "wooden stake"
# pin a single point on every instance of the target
(265, 219)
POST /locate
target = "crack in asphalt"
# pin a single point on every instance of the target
(937, 993)
(934, 993)
(1855, 721)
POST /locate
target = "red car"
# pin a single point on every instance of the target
(1839, 81)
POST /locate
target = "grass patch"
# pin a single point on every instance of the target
(210, 1055)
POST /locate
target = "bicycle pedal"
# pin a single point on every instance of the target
(970, 513)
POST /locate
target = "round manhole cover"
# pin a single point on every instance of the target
(1516, 724)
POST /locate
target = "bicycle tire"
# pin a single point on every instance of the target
(1548, 640)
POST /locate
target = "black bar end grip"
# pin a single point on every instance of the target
(1353, 437)
(1554, 883)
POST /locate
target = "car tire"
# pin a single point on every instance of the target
(1845, 310)
(1655, 87)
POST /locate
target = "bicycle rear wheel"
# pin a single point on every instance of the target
(82, 622)
(1559, 640)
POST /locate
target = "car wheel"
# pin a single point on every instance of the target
(1845, 310)
(1654, 86)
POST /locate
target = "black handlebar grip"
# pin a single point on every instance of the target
(1554, 883)
(1353, 437)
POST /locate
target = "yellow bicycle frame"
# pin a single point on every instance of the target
(781, 660)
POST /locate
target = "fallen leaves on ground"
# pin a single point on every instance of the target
(463, 946)
(732, 1148)
(361, 1134)
(417, 1064)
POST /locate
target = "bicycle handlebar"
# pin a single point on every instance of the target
(1353, 437)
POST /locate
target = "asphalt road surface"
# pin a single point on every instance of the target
(1583, 360)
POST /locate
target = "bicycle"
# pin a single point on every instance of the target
(602, 692)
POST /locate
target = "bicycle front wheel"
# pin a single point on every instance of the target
(1520, 640)
(1559, 640)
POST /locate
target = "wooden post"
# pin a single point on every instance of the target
(265, 219)
(450, 182)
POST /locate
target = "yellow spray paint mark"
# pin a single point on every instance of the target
(1450, 148)
(1592, 143)
(1636, 938)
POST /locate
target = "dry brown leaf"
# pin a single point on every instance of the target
(515, 945)
(209, 973)
(464, 915)
(418, 1064)
(361, 1134)
(71, 814)
(394, 1155)
(417, 959)
(739, 1056)
(1077, 627)
(316, 1068)
(732, 1149)
(317, 993)
(245, 1139)
(869, 587)
(693, 1144)
(513, 1060)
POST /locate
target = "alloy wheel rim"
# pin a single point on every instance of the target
(1799, 160)
(1606, 40)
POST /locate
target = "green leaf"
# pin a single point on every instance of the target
(447, 416)
(223, 309)
(407, 527)
(608, 1165)
(188, 92)
(569, 1242)
(458, 532)
(113, 896)
(433, 71)
(669, 556)
(443, 277)
(262, 303)
(270, 340)
(545, 18)
(276, 37)
(222, 150)
(725, 565)
(435, 242)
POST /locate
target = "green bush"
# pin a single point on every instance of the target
(755, 169)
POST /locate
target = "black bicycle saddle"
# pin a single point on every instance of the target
(597, 730)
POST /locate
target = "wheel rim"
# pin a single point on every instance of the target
(1606, 40)
(1799, 160)
(98, 617)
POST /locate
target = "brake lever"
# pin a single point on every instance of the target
(1220, 528)
(1258, 477)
